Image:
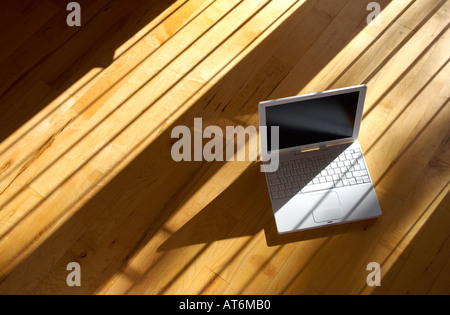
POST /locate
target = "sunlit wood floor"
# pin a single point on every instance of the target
(86, 173)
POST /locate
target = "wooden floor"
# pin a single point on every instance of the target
(86, 173)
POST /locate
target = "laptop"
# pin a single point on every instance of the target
(322, 178)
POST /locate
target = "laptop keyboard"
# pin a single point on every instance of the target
(318, 172)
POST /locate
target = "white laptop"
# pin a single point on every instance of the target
(322, 177)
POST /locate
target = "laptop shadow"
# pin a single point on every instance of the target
(244, 209)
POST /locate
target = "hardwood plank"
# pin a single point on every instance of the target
(53, 35)
(441, 284)
(71, 114)
(350, 18)
(41, 186)
(19, 31)
(86, 173)
(428, 255)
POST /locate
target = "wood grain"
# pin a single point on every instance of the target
(86, 173)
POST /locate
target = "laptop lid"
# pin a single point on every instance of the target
(314, 120)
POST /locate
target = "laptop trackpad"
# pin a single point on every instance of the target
(326, 206)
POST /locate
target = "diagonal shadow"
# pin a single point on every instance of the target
(51, 44)
(367, 48)
(117, 134)
(206, 226)
(104, 70)
(404, 109)
(165, 141)
(125, 215)
(240, 210)
(430, 224)
(405, 72)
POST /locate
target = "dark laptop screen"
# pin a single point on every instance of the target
(312, 121)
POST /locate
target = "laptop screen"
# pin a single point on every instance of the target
(312, 121)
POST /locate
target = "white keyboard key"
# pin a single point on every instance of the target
(319, 173)
(360, 173)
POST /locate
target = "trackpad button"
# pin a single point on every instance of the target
(327, 207)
